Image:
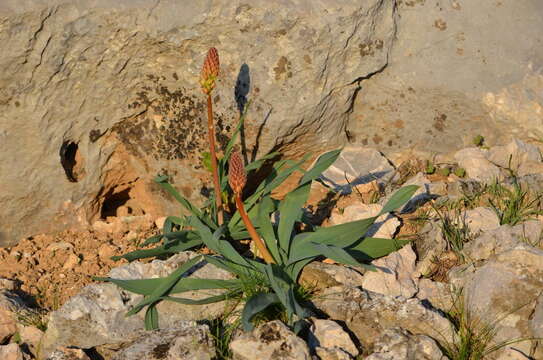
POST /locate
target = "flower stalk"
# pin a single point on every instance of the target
(237, 179)
(210, 72)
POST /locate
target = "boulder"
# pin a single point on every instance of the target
(357, 166)
(395, 275)
(97, 314)
(328, 334)
(186, 341)
(368, 314)
(398, 344)
(464, 74)
(98, 97)
(269, 341)
(503, 293)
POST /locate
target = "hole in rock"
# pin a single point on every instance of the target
(113, 201)
(71, 160)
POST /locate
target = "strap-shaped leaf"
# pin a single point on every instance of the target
(208, 300)
(320, 166)
(170, 222)
(151, 318)
(369, 248)
(218, 245)
(290, 211)
(340, 255)
(266, 228)
(162, 181)
(254, 305)
(147, 286)
(165, 285)
(255, 165)
(399, 199)
(282, 286)
(342, 235)
(177, 241)
(151, 240)
(230, 266)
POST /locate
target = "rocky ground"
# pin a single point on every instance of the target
(469, 282)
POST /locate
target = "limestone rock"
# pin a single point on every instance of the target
(429, 245)
(438, 294)
(96, 315)
(11, 304)
(398, 344)
(329, 334)
(269, 341)
(112, 87)
(506, 287)
(518, 156)
(356, 166)
(500, 239)
(332, 354)
(480, 219)
(321, 275)
(395, 275)
(495, 89)
(64, 353)
(368, 314)
(186, 341)
(11, 352)
(475, 162)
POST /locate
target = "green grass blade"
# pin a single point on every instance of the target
(254, 305)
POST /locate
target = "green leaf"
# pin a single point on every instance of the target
(369, 248)
(214, 242)
(266, 228)
(165, 285)
(208, 300)
(290, 211)
(254, 305)
(162, 181)
(206, 161)
(149, 241)
(340, 255)
(341, 235)
(177, 241)
(399, 199)
(151, 318)
(255, 165)
(320, 166)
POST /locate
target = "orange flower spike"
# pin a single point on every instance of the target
(210, 71)
(237, 178)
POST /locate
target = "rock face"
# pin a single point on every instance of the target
(464, 73)
(98, 97)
